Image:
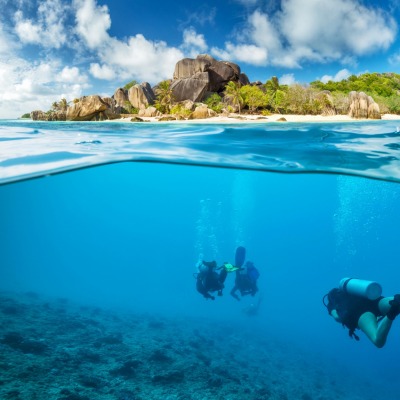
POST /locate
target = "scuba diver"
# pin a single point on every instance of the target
(246, 281)
(358, 304)
(209, 280)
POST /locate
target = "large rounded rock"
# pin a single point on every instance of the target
(87, 108)
(221, 72)
(201, 75)
(121, 97)
(149, 112)
(141, 96)
(202, 112)
(193, 88)
(48, 116)
(188, 67)
(363, 106)
(374, 111)
(243, 79)
(112, 104)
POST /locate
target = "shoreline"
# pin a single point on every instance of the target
(258, 118)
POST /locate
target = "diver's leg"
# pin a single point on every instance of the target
(222, 275)
(233, 293)
(377, 333)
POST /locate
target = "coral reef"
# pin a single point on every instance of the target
(51, 349)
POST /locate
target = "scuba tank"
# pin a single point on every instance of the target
(368, 289)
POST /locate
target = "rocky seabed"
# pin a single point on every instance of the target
(51, 349)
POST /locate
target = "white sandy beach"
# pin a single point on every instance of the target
(246, 118)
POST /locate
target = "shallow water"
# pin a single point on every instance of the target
(370, 149)
(126, 237)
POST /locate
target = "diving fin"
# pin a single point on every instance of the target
(229, 267)
(240, 256)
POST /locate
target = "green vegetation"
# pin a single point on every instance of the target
(271, 97)
(214, 102)
(384, 88)
(164, 97)
(253, 97)
(130, 84)
(179, 110)
(27, 115)
(233, 95)
(129, 109)
(276, 94)
(62, 105)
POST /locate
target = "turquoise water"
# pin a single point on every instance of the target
(370, 149)
(126, 237)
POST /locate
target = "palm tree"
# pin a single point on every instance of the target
(233, 94)
(55, 106)
(63, 104)
(164, 96)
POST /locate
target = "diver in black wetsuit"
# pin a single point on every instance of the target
(246, 281)
(209, 280)
(373, 317)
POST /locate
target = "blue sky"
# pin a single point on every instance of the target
(51, 49)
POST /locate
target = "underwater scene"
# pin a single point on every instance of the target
(98, 266)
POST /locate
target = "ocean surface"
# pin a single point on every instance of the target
(102, 226)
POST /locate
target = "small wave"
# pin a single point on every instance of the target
(90, 142)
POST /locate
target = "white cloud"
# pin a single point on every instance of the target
(287, 79)
(193, 43)
(135, 57)
(71, 75)
(348, 27)
(264, 33)
(27, 87)
(141, 59)
(48, 30)
(342, 74)
(247, 53)
(27, 31)
(314, 30)
(102, 71)
(92, 22)
(6, 42)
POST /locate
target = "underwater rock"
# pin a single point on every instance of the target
(109, 340)
(91, 381)
(206, 360)
(127, 370)
(169, 378)
(86, 355)
(215, 382)
(68, 395)
(119, 356)
(16, 341)
(160, 356)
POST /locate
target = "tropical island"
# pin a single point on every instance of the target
(203, 88)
